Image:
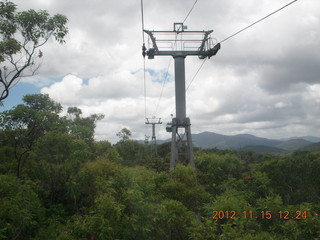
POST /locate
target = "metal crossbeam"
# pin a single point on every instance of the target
(192, 43)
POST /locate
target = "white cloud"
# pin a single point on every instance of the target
(66, 91)
(264, 81)
(280, 105)
(314, 93)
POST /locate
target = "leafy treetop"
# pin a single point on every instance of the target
(21, 35)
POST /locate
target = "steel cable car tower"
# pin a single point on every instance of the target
(179, 44)
(153, 121)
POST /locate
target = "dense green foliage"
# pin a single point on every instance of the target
(57, 182)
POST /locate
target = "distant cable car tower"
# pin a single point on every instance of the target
(153, 121)
(179, 44)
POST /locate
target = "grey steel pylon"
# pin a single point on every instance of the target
(196, 43)
(153, 121)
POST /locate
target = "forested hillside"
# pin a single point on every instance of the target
(57, 182)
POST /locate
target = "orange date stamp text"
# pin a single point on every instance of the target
(281, 214)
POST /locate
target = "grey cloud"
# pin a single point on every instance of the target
(300, 65)
(259, 80)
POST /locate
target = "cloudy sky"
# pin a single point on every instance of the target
(264, 81)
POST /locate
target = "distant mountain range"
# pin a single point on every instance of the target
(253, 143)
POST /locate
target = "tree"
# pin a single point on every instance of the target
(184, 187)
(26, 123)
(102, 148)
(215, 168)
(82, 127)
(21, 210)
(295, 174)
(55, 158)
(133, 153)
(22, 34)
(124, 134)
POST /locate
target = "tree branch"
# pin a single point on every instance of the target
(32, 29)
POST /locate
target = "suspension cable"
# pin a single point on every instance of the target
(195, 75)
(167, 73)
(257, 21)
(163, 83)
(237, 34)
(144, 69)
(142, 21)
(190, 11)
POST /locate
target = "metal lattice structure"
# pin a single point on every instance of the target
(179, 44)
(153, 121)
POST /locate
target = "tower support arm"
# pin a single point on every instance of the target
(205, 39)
(213, 51)
(153, 39)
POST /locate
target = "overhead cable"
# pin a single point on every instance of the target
(142, 21)
(258, 21)
(195, 75)
(240, 32)
(167, 73)
(190, 11)
(144, 68)
(163, 83)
